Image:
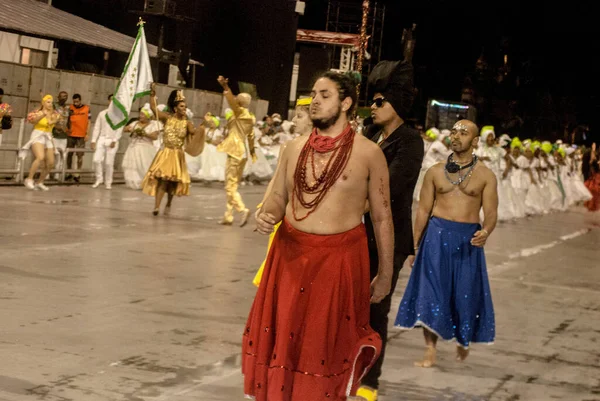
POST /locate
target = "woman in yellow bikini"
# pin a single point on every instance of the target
(303, 126)
(41, 143)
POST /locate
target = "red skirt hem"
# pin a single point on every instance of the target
(308, 335)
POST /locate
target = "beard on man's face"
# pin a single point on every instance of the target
(327, 122)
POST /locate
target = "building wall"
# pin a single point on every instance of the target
(23, 85)
(13, 45)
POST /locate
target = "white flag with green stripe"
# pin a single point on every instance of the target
(134, 83)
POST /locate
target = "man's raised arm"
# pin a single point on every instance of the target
(233, 103)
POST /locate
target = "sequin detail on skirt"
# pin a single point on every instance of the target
(448, 291)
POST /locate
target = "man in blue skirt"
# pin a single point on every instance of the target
(448, 293)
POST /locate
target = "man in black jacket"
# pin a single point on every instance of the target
(403, 149)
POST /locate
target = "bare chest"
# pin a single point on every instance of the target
(327, 170)
(470, 188)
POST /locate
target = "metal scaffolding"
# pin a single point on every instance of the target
(347, 18)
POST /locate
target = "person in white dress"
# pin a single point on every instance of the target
(517, 177)
(491, 155)
(508, 168)
(529, 164)
(556, 190)
(580, 191)
(212, 161)
(141, 149)
(261, 169)
(437, 152)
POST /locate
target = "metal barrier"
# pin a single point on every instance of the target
(17, 170)
(64, 170)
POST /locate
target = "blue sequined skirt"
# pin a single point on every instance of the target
(448, 291)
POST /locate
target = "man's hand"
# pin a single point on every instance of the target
(93, 145)
(113, 144)
(224, 82)
(380, 288)
(152, 89)
(410, 261)
(265, 223)
(480, 238)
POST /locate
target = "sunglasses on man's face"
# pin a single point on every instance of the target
(379, 101)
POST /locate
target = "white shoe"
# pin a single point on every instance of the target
(42, 187)
(108, 186)
(97, 184)
(29, 183)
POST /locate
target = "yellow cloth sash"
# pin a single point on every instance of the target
(259, 274)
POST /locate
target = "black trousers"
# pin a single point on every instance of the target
(380, 320)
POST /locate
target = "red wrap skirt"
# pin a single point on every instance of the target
(308, 336)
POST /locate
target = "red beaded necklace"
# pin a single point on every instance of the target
(340, 148)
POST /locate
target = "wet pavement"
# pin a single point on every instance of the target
(102, 301)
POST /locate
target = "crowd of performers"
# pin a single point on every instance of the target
(534, 178)
(338, 211)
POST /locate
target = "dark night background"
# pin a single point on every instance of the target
(552, 52)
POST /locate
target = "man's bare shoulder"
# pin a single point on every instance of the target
(487, 174)
(295, 144)
(437, 168)
(366, 146)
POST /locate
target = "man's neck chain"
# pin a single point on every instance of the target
(452, 168)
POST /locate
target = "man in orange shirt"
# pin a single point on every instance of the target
(79, 118)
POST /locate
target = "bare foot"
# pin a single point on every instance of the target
(429, 358)
(461, 353)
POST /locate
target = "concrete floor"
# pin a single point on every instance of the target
(101, 301)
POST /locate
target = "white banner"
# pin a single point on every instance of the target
(134, 83)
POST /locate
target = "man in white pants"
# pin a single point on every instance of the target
(105, 142)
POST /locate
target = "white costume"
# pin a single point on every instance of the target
(107, 144)
(212, 161)
(435, 153)
(558, 199)
(534, 201)
(139, 155)
(494, 157)
(580, 191)
(262, 169)
(519, 192)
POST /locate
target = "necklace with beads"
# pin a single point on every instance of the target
(453, 167)
(340, 148)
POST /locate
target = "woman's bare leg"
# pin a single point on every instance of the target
(38, 152)
(161, 188)
(48, 165)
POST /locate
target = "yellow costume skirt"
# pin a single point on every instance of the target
(258, 276)
(168, 165)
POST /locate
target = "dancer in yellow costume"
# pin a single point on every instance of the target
(240, 130)
(302, 126)
(168, 172)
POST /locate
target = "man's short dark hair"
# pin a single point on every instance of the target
(110, 97)
(346, 85)
(77, 96)
(1, 91)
